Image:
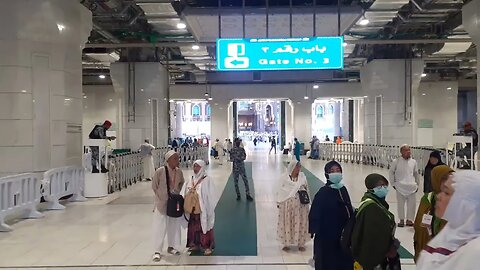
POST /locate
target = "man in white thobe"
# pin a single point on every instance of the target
(164, 225)
(147, 160)
(220, 151)
(404, 178)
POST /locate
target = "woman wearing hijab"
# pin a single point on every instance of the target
(292, 229)
(427, 224)
(434, 160)
(200, 210)
(373, 242)
(330, 212)
(457, 246)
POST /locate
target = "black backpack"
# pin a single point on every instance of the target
(347, 232)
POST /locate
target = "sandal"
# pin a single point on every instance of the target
(157, 257)
(173, 251)
(208, 252)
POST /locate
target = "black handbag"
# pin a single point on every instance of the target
(304, 197)
(174, 202)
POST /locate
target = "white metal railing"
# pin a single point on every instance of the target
(126, 169)
(369, 154)
(60, 182)
(19, 195)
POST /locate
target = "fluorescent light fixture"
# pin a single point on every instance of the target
(424, 75)
(364, 21)
(315, 86)
(195, 47)
(305, 97)
(24, 91)
(365, 96)
(449, 88)
(181, 26)
(101, 76)
(67, 99)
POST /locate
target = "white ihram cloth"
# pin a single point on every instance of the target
(206, 196)
(404, 175)
(461, 234)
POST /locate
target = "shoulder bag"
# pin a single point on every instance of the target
(175, 201)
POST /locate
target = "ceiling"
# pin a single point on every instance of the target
(148, 30)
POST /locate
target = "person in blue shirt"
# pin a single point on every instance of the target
(296, 150)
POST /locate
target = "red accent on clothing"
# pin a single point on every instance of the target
(439, 250)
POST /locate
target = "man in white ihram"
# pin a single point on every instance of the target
(164, 225)
(404, 177)
(147, 159)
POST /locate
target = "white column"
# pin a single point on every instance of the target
(153, 79)
(471, 22)
(390, 79)
(358, 121)
(289, 122)
(178, 119)
(336, 117)
(345, 119)
(303, 121)
(219, 121)
(41, 84)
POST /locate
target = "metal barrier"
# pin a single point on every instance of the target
(60, 182)
(126, 169)
(369, 154)
(19, 194)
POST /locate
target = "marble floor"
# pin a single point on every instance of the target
(115, 232)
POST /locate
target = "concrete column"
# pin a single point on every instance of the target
(358, 121)
(395, 82)
(289, 122)
(41, 84)
(219, 121)
(303, 121)
(337, 110)
(151, 82)
(178, 119)
(471, 22)
(345, 118)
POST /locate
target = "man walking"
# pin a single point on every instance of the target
(404, 177)
(273, 145)
(238, 157)
(164, 225)
(147, 159)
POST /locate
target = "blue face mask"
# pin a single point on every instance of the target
(381, 191)
(336, 179)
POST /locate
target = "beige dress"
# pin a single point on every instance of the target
(292, 227)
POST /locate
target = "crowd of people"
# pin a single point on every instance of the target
(446, 222)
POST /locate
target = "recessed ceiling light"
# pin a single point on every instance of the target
(305, 97)
(315, 86)
(181, 26)
(67, 99)
(206, 94)
(423, 94)
(195, 47)
(449, 88)
(364, 21)
(110, 100)
(60, 27)
(210, 98)
(24, 91)
(344, 44)
(365, 96)
(84, 96)
(142, 90)
(424, 75)
(101, 76)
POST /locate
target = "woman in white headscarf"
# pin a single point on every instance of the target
(457, 246)
(292, 227)
(200, 210)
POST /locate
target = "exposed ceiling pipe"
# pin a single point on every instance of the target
(358, 41)
(106, 35)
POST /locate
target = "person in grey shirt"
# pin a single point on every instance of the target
(147, 159)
